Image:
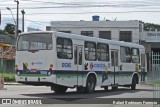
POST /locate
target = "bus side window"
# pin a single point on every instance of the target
(49, 46)
(75, 54)
(125, 54)
(135, 55)
(90, 51)
(64, 48)
(102, 52)
(59, 54)
(114, 58)
(80, 56)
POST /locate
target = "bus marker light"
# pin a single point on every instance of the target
(51, 65)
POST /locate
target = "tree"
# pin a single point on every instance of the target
(2, 32)
(10, 28)
(151, 27)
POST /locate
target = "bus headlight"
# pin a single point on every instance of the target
(51, 65)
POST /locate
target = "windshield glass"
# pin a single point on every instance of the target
(42, 41)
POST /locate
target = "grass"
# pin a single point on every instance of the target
(8, 76)
(155, 81)
(152, 82)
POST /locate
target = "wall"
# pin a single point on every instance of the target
(8, 39)
(148, 53)
(114, 26)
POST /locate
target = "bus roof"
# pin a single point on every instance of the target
(87, 38)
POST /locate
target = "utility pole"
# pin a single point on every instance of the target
(17, 28)
(23, 12)
(0, 17)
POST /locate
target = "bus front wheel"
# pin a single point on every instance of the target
(59, 88)
(134, 81)
(90, 84)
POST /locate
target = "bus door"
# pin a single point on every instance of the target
(78, 54)
(143, 67)
(115, 65)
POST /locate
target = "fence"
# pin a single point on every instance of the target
(156, 77)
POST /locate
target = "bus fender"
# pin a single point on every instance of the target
(90, 73)
(134, 74)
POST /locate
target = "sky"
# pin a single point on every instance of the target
(39, 13)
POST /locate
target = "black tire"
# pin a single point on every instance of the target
(59, 88)
(134, 81)
(90, 84)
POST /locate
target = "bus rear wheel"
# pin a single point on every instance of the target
(59, 88)
(134, 81)
(90, 85)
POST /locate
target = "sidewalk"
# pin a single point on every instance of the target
(149, 83)
(12, 83)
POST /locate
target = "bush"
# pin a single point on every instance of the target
(8, 77)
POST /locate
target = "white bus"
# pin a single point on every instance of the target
(63, 60)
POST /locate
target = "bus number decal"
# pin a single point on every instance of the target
(66, 65)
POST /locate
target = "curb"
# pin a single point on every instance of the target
(14, 83)
(147, 83)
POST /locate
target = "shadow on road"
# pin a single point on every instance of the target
(97, 93)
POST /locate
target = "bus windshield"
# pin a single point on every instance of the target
(35, 41)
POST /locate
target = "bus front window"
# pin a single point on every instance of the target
(34, 41)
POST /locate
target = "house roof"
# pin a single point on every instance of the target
(5, 44)
(8, 52)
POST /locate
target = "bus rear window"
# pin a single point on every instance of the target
(34, 42)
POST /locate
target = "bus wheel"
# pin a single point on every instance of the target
(59, 88)
(134, 81)
(90, 85)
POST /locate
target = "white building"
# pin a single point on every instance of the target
(32, 29)
(128, 31)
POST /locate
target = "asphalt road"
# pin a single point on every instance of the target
(26, 91)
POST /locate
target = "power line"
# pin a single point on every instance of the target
(59, 3)
(155, 11)
(62, 5)
(5, 1)
(80, 3)
(35, 22)
(89, 6)
(71, 5)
